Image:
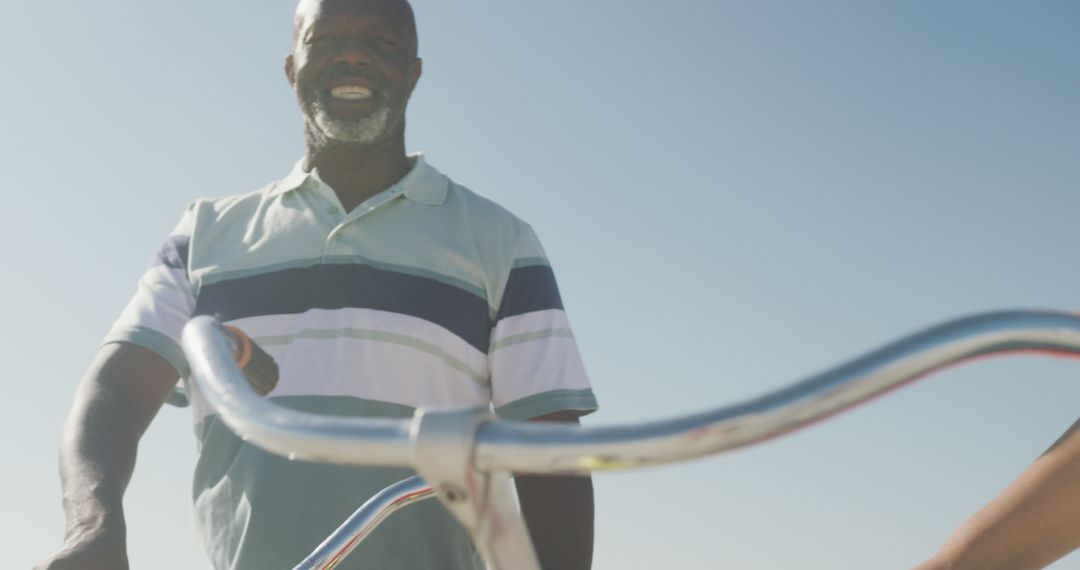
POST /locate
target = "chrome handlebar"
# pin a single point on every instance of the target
(465, 456)
(549, 448)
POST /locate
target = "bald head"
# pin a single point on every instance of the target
(353, 68)
(397, 12)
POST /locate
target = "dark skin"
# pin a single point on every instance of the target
(375, 40)
(559, 513)
(369, 44)
(122, 391)
(1032, 523)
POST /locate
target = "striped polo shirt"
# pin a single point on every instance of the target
(425, 294)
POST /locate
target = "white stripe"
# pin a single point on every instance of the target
(368, 354)
(272, 329)
(529, 368)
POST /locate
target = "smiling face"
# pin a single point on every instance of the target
(353, 68)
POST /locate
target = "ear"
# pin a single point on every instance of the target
(290, 69)
(417, 70)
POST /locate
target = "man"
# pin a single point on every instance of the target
(1035, 521)
(379, 286)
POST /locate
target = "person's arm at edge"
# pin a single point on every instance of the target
(118, 397)
(559, 513)
(1033, 522)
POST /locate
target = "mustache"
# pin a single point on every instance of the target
(347, 73)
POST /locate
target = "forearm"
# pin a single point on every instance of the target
(113, 406)
(1035, 521)
(97, 458)
(559, 514)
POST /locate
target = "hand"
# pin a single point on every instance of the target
(98, 552)
(932, 564)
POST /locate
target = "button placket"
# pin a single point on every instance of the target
(332, 239)
(361, 210)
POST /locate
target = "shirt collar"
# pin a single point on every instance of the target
(423, 183)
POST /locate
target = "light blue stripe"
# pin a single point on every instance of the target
(475, 289)
(529, 262)
(156, 341)
(472, 288)
(260, 270)
(526, 337)
(546, 403)
(350, 406)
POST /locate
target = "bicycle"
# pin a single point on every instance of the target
(464, 457)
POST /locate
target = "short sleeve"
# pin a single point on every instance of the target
(535, 365)
(164, 301)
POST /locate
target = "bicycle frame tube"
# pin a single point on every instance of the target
(356, 528)
(551, 448)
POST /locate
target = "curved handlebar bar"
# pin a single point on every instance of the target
(549, 448)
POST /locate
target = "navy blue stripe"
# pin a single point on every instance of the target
(528, 289)
(340, 286)
(173, 252)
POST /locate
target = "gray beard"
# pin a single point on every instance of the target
(328, 129)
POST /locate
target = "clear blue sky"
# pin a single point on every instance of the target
(734, 195)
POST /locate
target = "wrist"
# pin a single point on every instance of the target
(106, 528)
(950, 559)
(98, 548)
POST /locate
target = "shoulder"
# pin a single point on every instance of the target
(491, 222)
(215, 208)
(503, 241)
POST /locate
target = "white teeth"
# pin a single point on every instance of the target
(351, 92)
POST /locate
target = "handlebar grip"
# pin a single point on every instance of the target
(258, 367)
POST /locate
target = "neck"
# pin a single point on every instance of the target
(357, 174)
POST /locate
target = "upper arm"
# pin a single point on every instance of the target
(144, 341)
(131, 377)
(564, 416)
